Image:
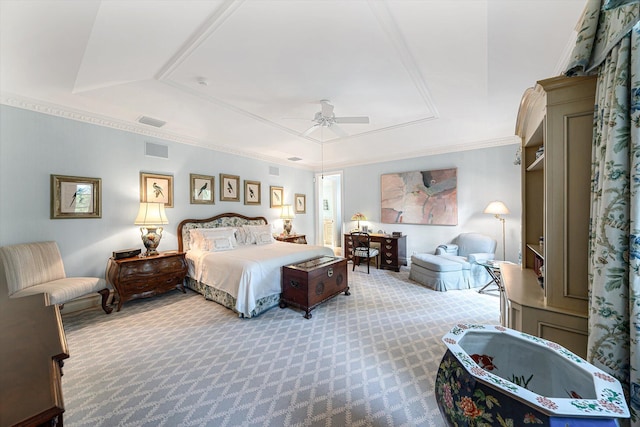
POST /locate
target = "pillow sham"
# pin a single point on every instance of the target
(258, 233)
(204, 239)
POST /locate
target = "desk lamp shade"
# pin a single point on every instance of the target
(498, 208)
(287, 215)
(358, 217)
(150, 216)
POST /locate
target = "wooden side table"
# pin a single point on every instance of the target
(292, 238)
(143, 277)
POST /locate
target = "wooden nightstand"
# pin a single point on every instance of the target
(292, 238)
(143, 277)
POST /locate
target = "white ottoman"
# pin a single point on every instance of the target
(438, 273)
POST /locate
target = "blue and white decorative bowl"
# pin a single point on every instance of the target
(492, 375)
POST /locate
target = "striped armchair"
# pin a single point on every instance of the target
(37, 268)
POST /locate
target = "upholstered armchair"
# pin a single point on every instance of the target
(37, 268)
(471, 249)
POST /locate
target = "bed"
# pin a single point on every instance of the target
(234, 261)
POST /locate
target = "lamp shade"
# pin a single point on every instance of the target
(496, 208)
(358, 217)
(151, 213)
(287, 212)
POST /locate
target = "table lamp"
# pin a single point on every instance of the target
(498, 208)
(287, 215)
(150, 216)
(358, 217)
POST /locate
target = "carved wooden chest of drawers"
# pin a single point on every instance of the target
(142, 277)
(309, 283)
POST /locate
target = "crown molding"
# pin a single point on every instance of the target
(39, 106)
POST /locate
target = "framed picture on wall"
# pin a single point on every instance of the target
(251, 192)
(75, 197)
(201, 189)
(300, 203)
(156, 188)
(276, 194)
(229, 188)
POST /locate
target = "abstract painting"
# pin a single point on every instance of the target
(420, 197)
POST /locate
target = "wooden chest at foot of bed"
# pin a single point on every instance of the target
(309, 283)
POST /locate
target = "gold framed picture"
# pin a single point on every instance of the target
(229, 188)
(300, 203)
(276, 194)
(251, 192)
(156, 188)
(201, 189)
(75, 197)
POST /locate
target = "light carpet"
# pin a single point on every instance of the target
(367, 359)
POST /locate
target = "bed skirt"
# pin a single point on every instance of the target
(212, 294)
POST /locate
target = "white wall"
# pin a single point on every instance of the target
(483, 175)
(33, 146)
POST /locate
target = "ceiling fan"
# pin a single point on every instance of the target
(326, 118)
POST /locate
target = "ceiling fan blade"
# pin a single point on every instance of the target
(327, 109)
(351, 119)
(338, 130)
(310, 130)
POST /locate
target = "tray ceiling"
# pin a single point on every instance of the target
(247, 76)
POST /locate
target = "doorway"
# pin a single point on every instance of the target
(329, 213)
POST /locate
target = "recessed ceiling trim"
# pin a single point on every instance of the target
(213, 22)
(391, 29)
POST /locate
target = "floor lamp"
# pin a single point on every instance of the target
(498, 208)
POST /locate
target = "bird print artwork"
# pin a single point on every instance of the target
(157, 190)
(204, 187)
(229, 187)
(73, 199)
(252, 194)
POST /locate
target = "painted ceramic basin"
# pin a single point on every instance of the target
(492, 375)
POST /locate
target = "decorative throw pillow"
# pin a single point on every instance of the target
(253, 231)
(204, 238)
(263, 238)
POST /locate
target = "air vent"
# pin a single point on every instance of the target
(274, 171)
(156, 150)
(294, 159)
(151, 121)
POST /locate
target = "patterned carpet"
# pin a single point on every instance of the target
(368, 359)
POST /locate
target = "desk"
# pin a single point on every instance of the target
(393, 250)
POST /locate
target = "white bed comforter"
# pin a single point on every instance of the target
(249, 272)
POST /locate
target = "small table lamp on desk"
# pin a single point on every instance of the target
(358, 217)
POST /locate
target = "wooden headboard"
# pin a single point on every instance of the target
(222, 220)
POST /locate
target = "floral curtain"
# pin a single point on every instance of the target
(608, 45)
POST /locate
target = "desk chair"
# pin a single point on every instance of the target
(362, 249)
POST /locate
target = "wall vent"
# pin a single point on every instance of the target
(151, 121)
(274, 171)
(156, 150)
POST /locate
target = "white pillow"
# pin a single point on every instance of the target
(216, 244)
(263, 238)
(241, 236)
(255, 232)
(204, 238)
